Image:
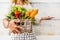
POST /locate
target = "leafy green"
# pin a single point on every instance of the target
(13, 8)
(24, 10)
(16, 8)
(24, 17)
(11, 15)
(23, 14)
(8, 15)
(19, 9)
(28, 17)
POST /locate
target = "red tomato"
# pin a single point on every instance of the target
(17, 13)
(16, 16)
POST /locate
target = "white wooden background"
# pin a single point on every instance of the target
(49, 27)
(34, 0)
(46, 27)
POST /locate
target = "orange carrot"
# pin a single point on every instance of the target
(27, 14)
(30, 11)
(34, 13)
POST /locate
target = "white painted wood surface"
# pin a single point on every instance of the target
(47, 27)
(45, 0)
(34, 0)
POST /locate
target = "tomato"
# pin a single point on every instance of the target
(17, 13)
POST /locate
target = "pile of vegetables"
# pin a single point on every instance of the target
(18, 12)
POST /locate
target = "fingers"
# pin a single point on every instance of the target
(18, 31)
(46, 18)
(14, 32)
(20, 27)
(49, 17)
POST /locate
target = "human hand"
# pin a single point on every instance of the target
(47, 18)
(14, 28)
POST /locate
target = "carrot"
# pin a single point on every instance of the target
(35, 11)
(28, 13)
